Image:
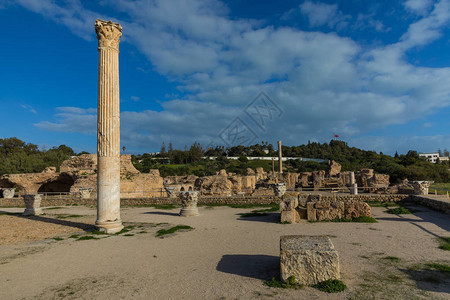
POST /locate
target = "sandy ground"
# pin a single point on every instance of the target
(225, 256)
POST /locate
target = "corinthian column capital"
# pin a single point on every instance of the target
(108, 33)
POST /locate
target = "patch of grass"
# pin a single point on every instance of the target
(172, 230)
(125, 229)
(128, 234)
(445, 243)
(97, 232)
(290, 283)
(56, 207)
(58, 239)
(439, 267)
(381, 204)
(74, 236)
(164, 223)
(330, 286)
(398, 211)
(391, 258)
(63, 216)
(87, 237)
(143, 231)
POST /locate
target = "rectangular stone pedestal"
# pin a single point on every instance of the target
(311, 259)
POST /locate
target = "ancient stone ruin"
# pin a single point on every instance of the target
(310, 259)
(316, 208)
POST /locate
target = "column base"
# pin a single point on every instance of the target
(33, 212)
(189, 212)
(109, 227)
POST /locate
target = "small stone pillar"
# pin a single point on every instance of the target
(280, 158)
(279, 189)
(85, 193)
(108, 128)
(311, 259)
(353, 184)
(8, 193)
(171, 191)
(189, 204)
(32, 205)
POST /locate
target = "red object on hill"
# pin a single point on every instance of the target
(336, 136)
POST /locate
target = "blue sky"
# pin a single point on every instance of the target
(377, 73)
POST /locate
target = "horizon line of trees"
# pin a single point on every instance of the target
(17, 156)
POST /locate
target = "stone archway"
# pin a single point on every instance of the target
(61, 184)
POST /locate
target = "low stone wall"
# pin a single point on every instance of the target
(363, 198)
(18, 202)
(435, 204)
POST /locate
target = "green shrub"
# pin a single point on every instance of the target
(439, 267)
(331, 286)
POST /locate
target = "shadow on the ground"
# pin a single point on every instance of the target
(268, 217)
(262, 267)
(83, 226)
(163, 213)
(425, 215)
(430, 280)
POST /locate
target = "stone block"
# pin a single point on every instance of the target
(311, 259)
(311, 211)
(32, 205)
(322, 204)
(290, 216)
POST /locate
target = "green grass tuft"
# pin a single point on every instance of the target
(439, 267)
(445, 243)
(63, 216)
(74, 236)
(58, 239)
(398, 211)
(290, 283)
(125, 229)
(87, 237)
(97, 232)
(381, 204)
(331, 286)
(128, 234)
(172, 230)
(392, 258)
(56, 207)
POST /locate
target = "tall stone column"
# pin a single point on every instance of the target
(280, 157)
(108, 127)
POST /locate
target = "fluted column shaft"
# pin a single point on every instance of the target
(108, 127)
(280, 158)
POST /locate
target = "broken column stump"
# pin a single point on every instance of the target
(32, 205)
(311, 259)
(189, 204)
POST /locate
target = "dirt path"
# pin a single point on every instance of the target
(223, 257)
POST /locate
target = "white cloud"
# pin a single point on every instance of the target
(29, 108)
(324, 83)
(419, 7)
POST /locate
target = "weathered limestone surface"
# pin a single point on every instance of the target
(8, 193)
(32, 205)
(311, 259)
(279, 189)
(334, 168)
(189, 204)
(108, 127)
